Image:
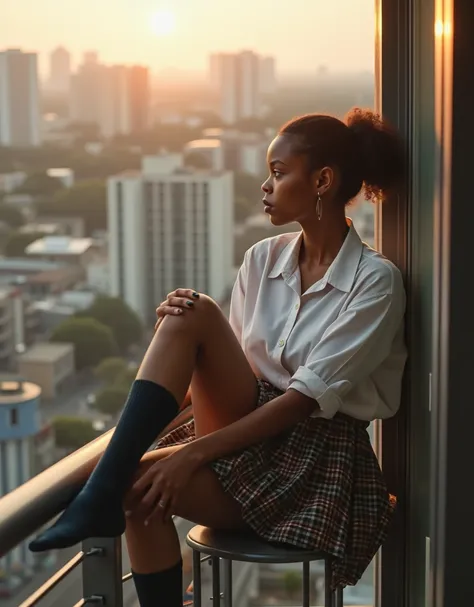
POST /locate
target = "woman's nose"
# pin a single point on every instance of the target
(266, 186)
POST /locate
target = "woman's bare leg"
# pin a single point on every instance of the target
(156, 547)
(199, 347)
(199, 342)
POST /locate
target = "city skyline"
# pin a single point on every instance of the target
(339, 35)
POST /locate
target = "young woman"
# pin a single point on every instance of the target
(282, 395)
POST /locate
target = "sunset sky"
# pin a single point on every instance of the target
(299, 33)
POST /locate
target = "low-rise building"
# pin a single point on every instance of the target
(50, 365)
(78, 251)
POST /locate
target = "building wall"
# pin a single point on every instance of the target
(19, 99)
(169, 231)
(126, 231)
(51, 376)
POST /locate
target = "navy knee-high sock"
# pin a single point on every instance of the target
(160, 589)
(97, 509)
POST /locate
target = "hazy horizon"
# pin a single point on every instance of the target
(338, 34)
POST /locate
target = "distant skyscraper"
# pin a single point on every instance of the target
(85, 90)
(268, 82)
(237, 79)
(116, 98)
(168, 228)
(60, 70)
(19, 99)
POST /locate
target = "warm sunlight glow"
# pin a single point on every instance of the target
(442, 28)
(163, 23)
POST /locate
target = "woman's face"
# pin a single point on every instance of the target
(291, 189)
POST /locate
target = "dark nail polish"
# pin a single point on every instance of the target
(196, 295)
(190, 304)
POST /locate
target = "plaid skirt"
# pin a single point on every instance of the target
(318, 486)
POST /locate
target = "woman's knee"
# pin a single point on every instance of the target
(204, 311)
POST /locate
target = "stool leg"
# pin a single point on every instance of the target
(227, 583)
(306, 582)
(216, 582)
(197, 596)
(339, 597)
(328, 593)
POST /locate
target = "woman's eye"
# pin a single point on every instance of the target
(277, 173)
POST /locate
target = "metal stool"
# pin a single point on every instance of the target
(241, 546)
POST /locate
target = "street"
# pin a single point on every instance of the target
(72, 403)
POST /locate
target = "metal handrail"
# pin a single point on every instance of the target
(53, 581)
(32, 505)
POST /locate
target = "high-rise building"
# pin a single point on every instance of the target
(116, 98)
(268, 82)
(85, 90)
(19, 99)
(236, 77)
(169, 227)
(60, 70)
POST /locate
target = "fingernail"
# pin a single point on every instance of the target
(190, 303)
(196, 295)
(146, 523)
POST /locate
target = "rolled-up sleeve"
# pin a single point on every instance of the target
(350, 350)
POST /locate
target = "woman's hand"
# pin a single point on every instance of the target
(175, 303)
(157, 491)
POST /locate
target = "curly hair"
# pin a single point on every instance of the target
(368, 152)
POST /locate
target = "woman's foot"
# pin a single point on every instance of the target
(88, 516)
(97, 510)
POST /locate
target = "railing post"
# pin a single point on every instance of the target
(102, 571)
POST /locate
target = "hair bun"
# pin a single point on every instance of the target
(380, 152)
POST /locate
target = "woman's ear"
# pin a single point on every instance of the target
(324, 179)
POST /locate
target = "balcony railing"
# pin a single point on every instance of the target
(34, 504)
(26, 509)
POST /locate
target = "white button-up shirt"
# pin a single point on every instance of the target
(341, 342)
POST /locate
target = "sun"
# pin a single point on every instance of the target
(163, 23)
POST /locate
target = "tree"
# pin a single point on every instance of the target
(248, 187)
(292, 581)
(110, 400)
(87, 200)
(40, 184)
(17, 242)
(197, 160)
(126, 378)
(92, 340)
(244, 208)
(11, 216)
(122, 320)
(110, 369)
(73, 432)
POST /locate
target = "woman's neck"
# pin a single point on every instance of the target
(322, 240)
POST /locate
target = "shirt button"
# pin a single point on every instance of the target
(281, 343)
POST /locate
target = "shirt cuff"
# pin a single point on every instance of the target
(310, 384)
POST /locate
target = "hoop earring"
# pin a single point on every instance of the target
(319, 207)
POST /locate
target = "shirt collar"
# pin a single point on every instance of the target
(340, 274)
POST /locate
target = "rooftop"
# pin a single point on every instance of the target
(50, 277)
(59, 245)
(46, 352)
(17, 391)
(203, 143)
(20, 264)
